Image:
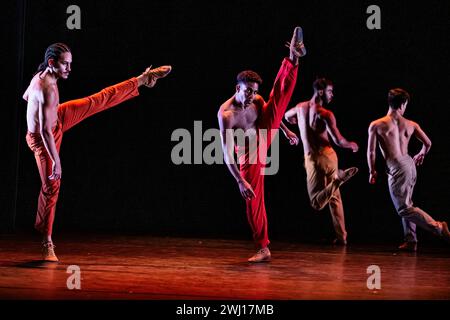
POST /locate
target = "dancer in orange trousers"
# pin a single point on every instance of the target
(47, 121)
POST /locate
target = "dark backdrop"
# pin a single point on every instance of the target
(117, 169)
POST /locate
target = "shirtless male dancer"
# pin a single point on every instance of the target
(246, 110)
(47, 121)
(323, 177)
(393, 133)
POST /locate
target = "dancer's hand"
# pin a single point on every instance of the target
(354, 146)
(418, 158)
(246, 190)
(292, 137)
(56, 171)
(373, 177)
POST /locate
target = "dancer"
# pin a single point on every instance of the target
(247, 111)
(323, 177)
(47, 121)
(393, 133)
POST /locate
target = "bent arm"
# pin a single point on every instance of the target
(422, 137)
(291, 115)
(334, 132)
(227, 140)
(291, 136)
(284, 128)
(426, 144)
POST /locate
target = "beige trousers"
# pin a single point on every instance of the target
(321, 168)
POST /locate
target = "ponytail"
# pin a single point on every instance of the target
(53, 52)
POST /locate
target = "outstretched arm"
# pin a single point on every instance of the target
(422, 137)
(371, 153)
(227, 138)
(46, 108)
(333, 131)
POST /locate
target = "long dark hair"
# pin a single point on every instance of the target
(54, 51)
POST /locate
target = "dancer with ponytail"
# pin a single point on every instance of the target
(47, 121)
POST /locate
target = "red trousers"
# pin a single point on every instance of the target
(69, 114)
(269, 119)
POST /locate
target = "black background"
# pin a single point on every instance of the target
(117, 170)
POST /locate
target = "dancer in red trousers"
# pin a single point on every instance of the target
(247, 111)
(47, 121)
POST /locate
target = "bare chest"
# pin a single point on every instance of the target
(245, 119)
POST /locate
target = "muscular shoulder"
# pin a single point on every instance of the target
(376, 123)
(225, 114)
(326, 115)
(411, 124)
(379, 124)
(225, 108)
(259, 101)
(40, 91)
(36, 91)
(302, 105)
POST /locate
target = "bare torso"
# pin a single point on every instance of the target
(35, 95)
(313, 128)
(393, 135)
(241, 118)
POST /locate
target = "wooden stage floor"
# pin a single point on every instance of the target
(158, 268)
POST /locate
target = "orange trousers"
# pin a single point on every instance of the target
(69, 114)
(269, 119)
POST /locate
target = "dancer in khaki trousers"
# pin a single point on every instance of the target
(315, 123)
